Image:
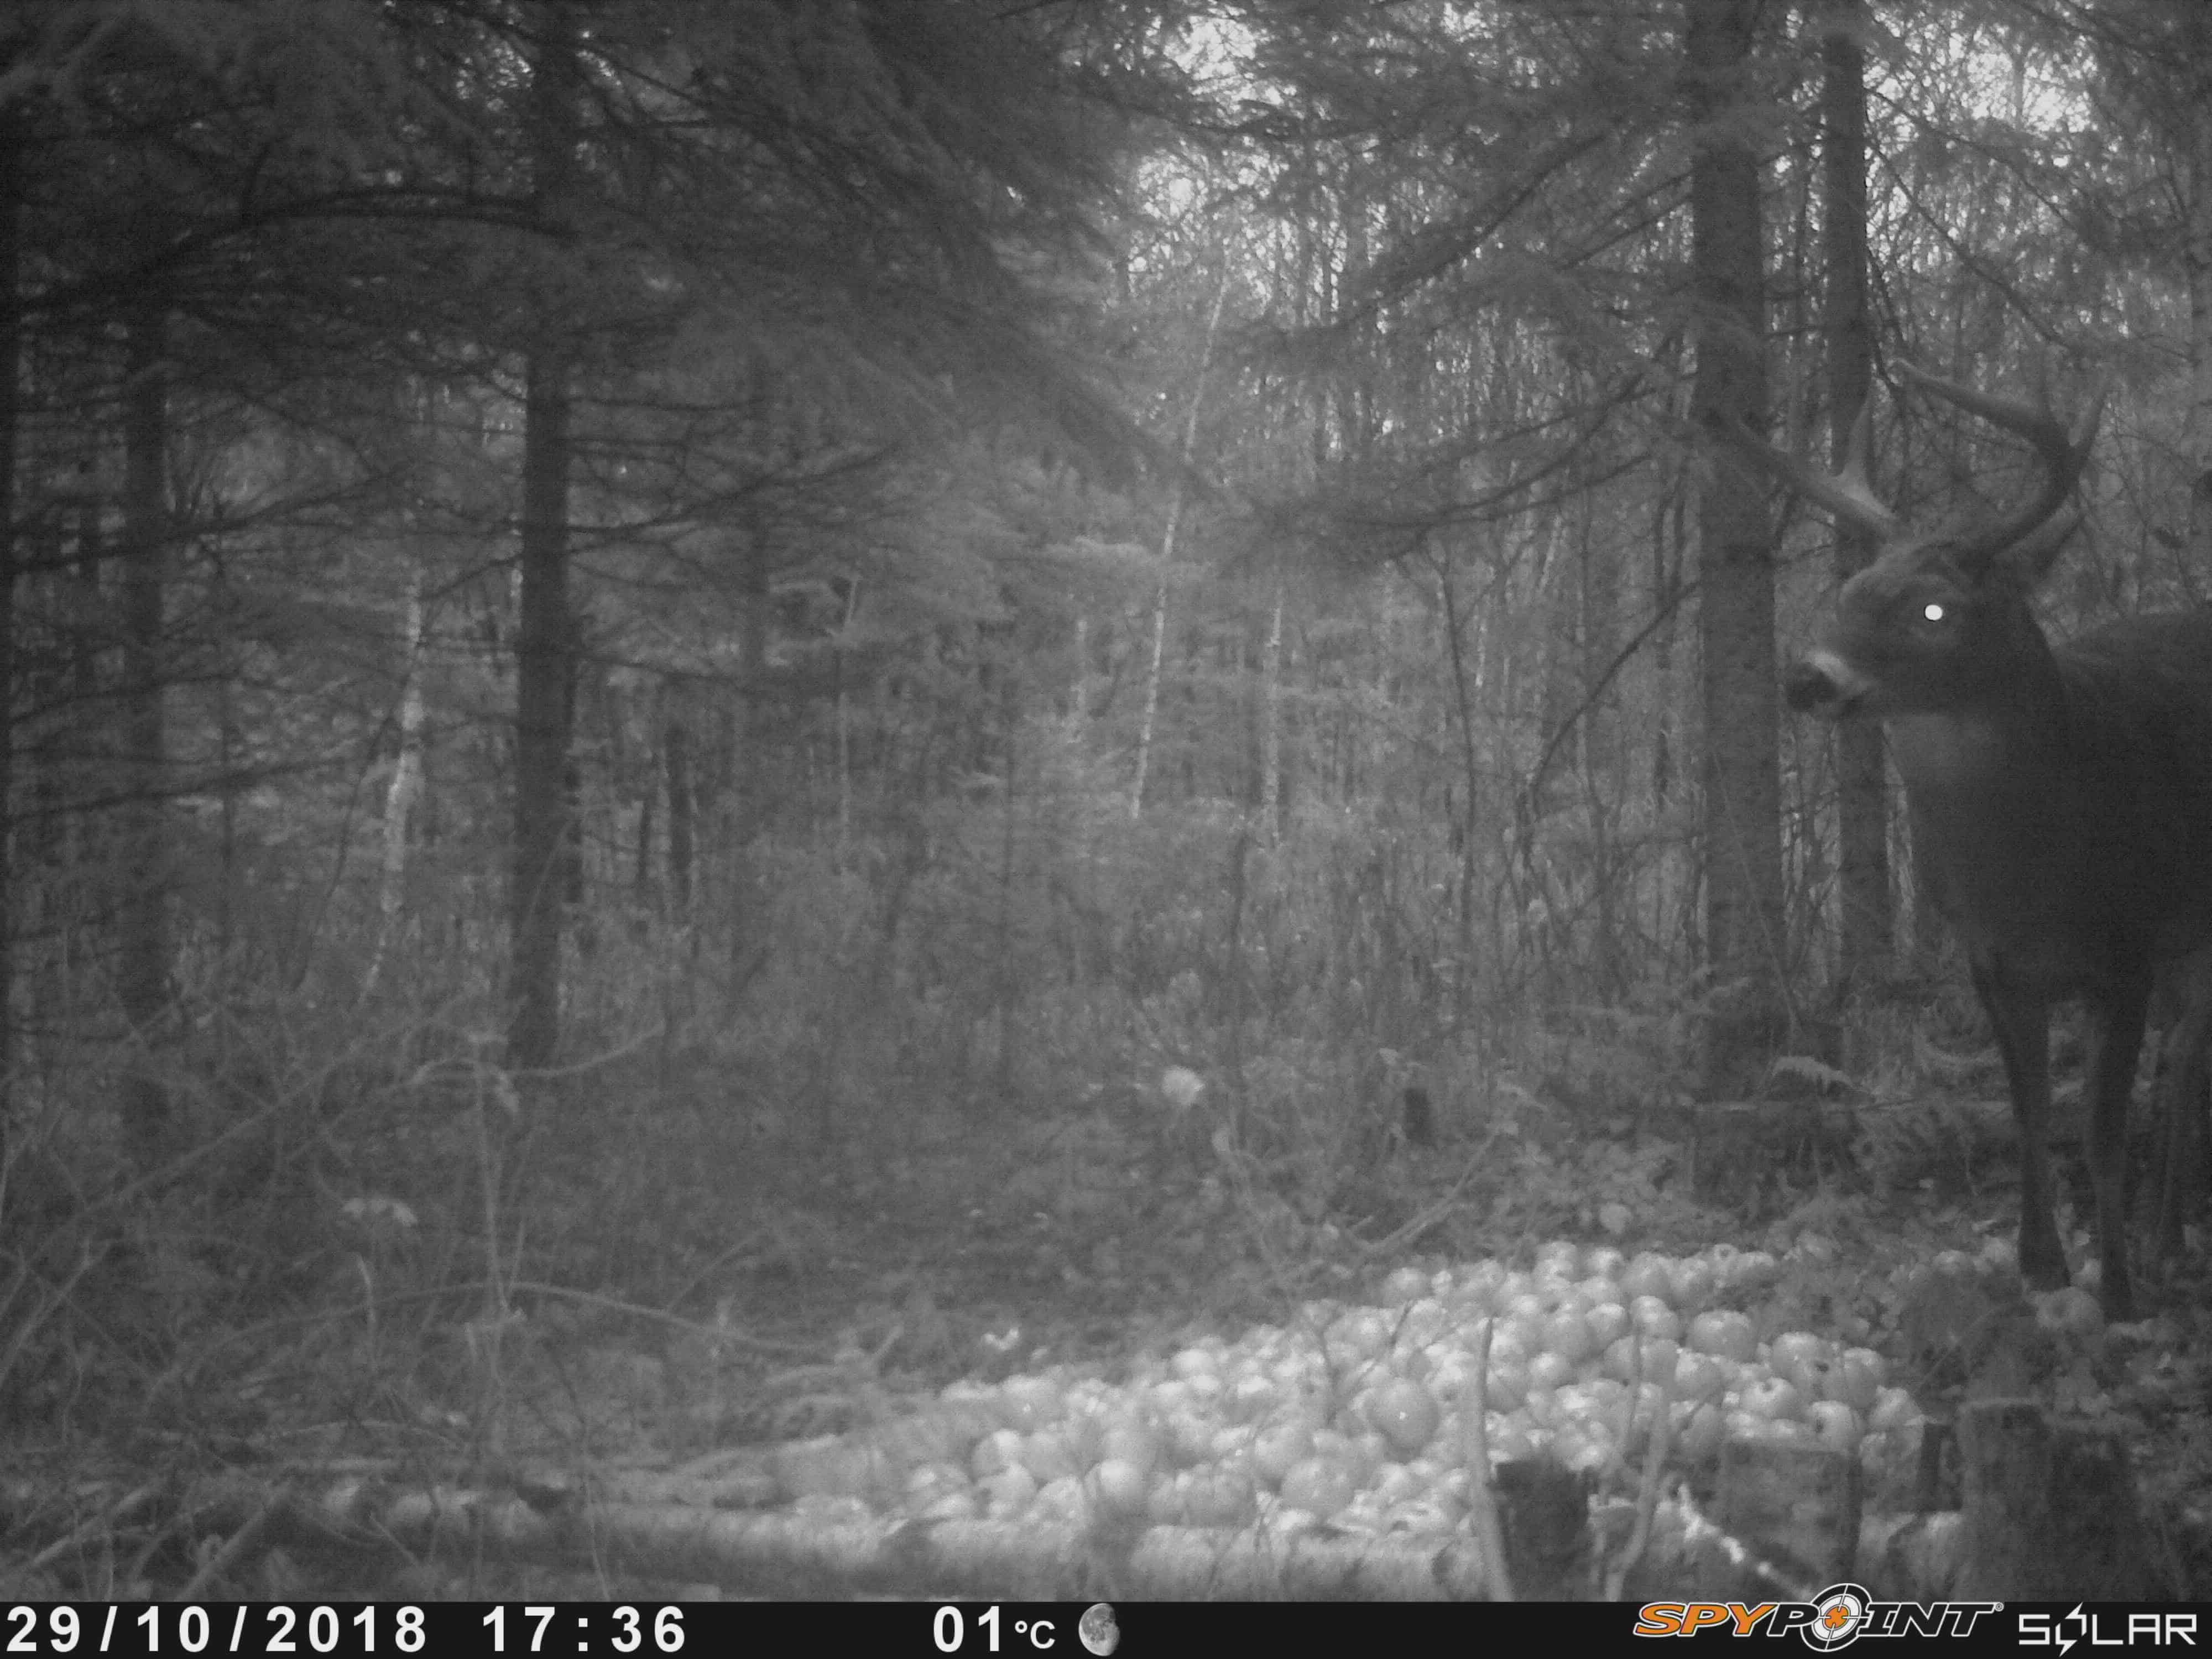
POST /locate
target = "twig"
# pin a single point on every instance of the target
(715, 1266)
(121, 1509)
(1696, 1529)
(1647, 1497)
(1431, 1214)
(590, 1299)
(1481, 1500)
(223, 1559)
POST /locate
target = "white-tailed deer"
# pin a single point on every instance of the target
(2061, 797)
(2181, 1005)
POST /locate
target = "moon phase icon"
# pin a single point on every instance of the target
(1100, 1634)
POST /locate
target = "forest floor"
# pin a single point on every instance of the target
(838, 1289)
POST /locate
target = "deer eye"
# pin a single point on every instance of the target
(1932, 611)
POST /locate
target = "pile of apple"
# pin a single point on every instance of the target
(1357, 1416)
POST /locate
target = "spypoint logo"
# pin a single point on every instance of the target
(1838, 1616)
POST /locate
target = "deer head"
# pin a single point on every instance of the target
(1936, 623)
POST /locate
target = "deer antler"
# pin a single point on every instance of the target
(1847, 495)
(2063, 453)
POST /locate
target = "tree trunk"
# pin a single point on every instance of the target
(642, 870)
(11, 259)
(1559, 721)
(543, 653)
(1861, 792)
(1669, 535)
(1271, 720)
(1149, 718)
(401, 794)
(1145, 725)
(2197, 203)
(746, 815)
(1466, 679)
(1736, 612)
(1601, 579)
(142, 966)
(545, 635)
(845, 625)
(676, 761)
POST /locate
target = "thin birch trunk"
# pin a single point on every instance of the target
(1166, 558)
(401, 794)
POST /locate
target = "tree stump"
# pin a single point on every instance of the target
(2051, 1511)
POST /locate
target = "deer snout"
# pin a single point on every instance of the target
(1819, 682)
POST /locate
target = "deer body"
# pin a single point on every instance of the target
(2061, 798)
(2069, 827)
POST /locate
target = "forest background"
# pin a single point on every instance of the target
(659, 655)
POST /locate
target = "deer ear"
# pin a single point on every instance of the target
(2028, 561)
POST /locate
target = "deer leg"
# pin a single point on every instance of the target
(2020, 1017)
(2116, 1036)
(2190, 1109)
(2181, 1103)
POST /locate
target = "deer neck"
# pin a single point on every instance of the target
(1971, 763)
(1995, 811)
